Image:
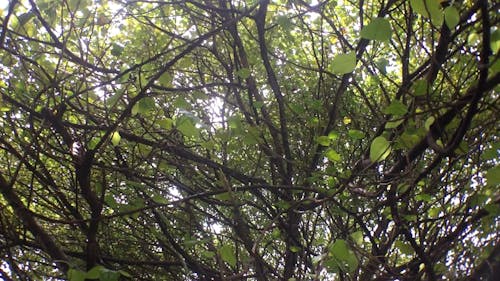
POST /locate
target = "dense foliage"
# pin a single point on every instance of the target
(249, 140)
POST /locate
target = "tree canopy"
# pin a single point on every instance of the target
(249, 140)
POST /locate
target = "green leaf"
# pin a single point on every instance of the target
(428, 122)
(95, 272)
(493, 176)
(434, 212)
(144, 106)
(423, 197)
(24, 18)
(418, 7)
(382, 64)
(165, 123)
(207, 254)
(429, 9)
(333, 155)
(243, 73)
(333, 135)
(357, 237)
(74, 4)
(110, 201)
(396, 108)
(451, 17)
(379, 149)
(420, 87)
(165, 80)
(344, 63)
(323, 140)
(76, 275)
(378, 29)
(342, 257)
(182, 103)
(116, 49)
(276, 233)
(115, 138)
(227, 254)
(224, 196)
(125, 274)
(492, 152)
(284, 22)
(404, 248)
(393, 124)
(187, 126)
(356, 134)
(109, 275)
(250, 139)
(495, 44)
(294, 249)
(157, 198)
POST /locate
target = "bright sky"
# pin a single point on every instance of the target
(4, 4)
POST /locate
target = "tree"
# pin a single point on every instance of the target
(249, 140)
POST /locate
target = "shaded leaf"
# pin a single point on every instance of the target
(76, 275)
(405, 248)
(451, 17)
(95, 272)
(342, 257)
(187, 126)
(116, 49)
(493, 176)
(243, 73)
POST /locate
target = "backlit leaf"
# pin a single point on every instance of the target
(428, 122)
(333, 155)
(396, 108)
(357, 237)
(165, 123)
(344, 63)
(187, 126)
(379, 149)
(227, 254)
(429, 9)
(115, 138)
(378, 29)
(323, 140)
(356, 134)
(420, 87)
